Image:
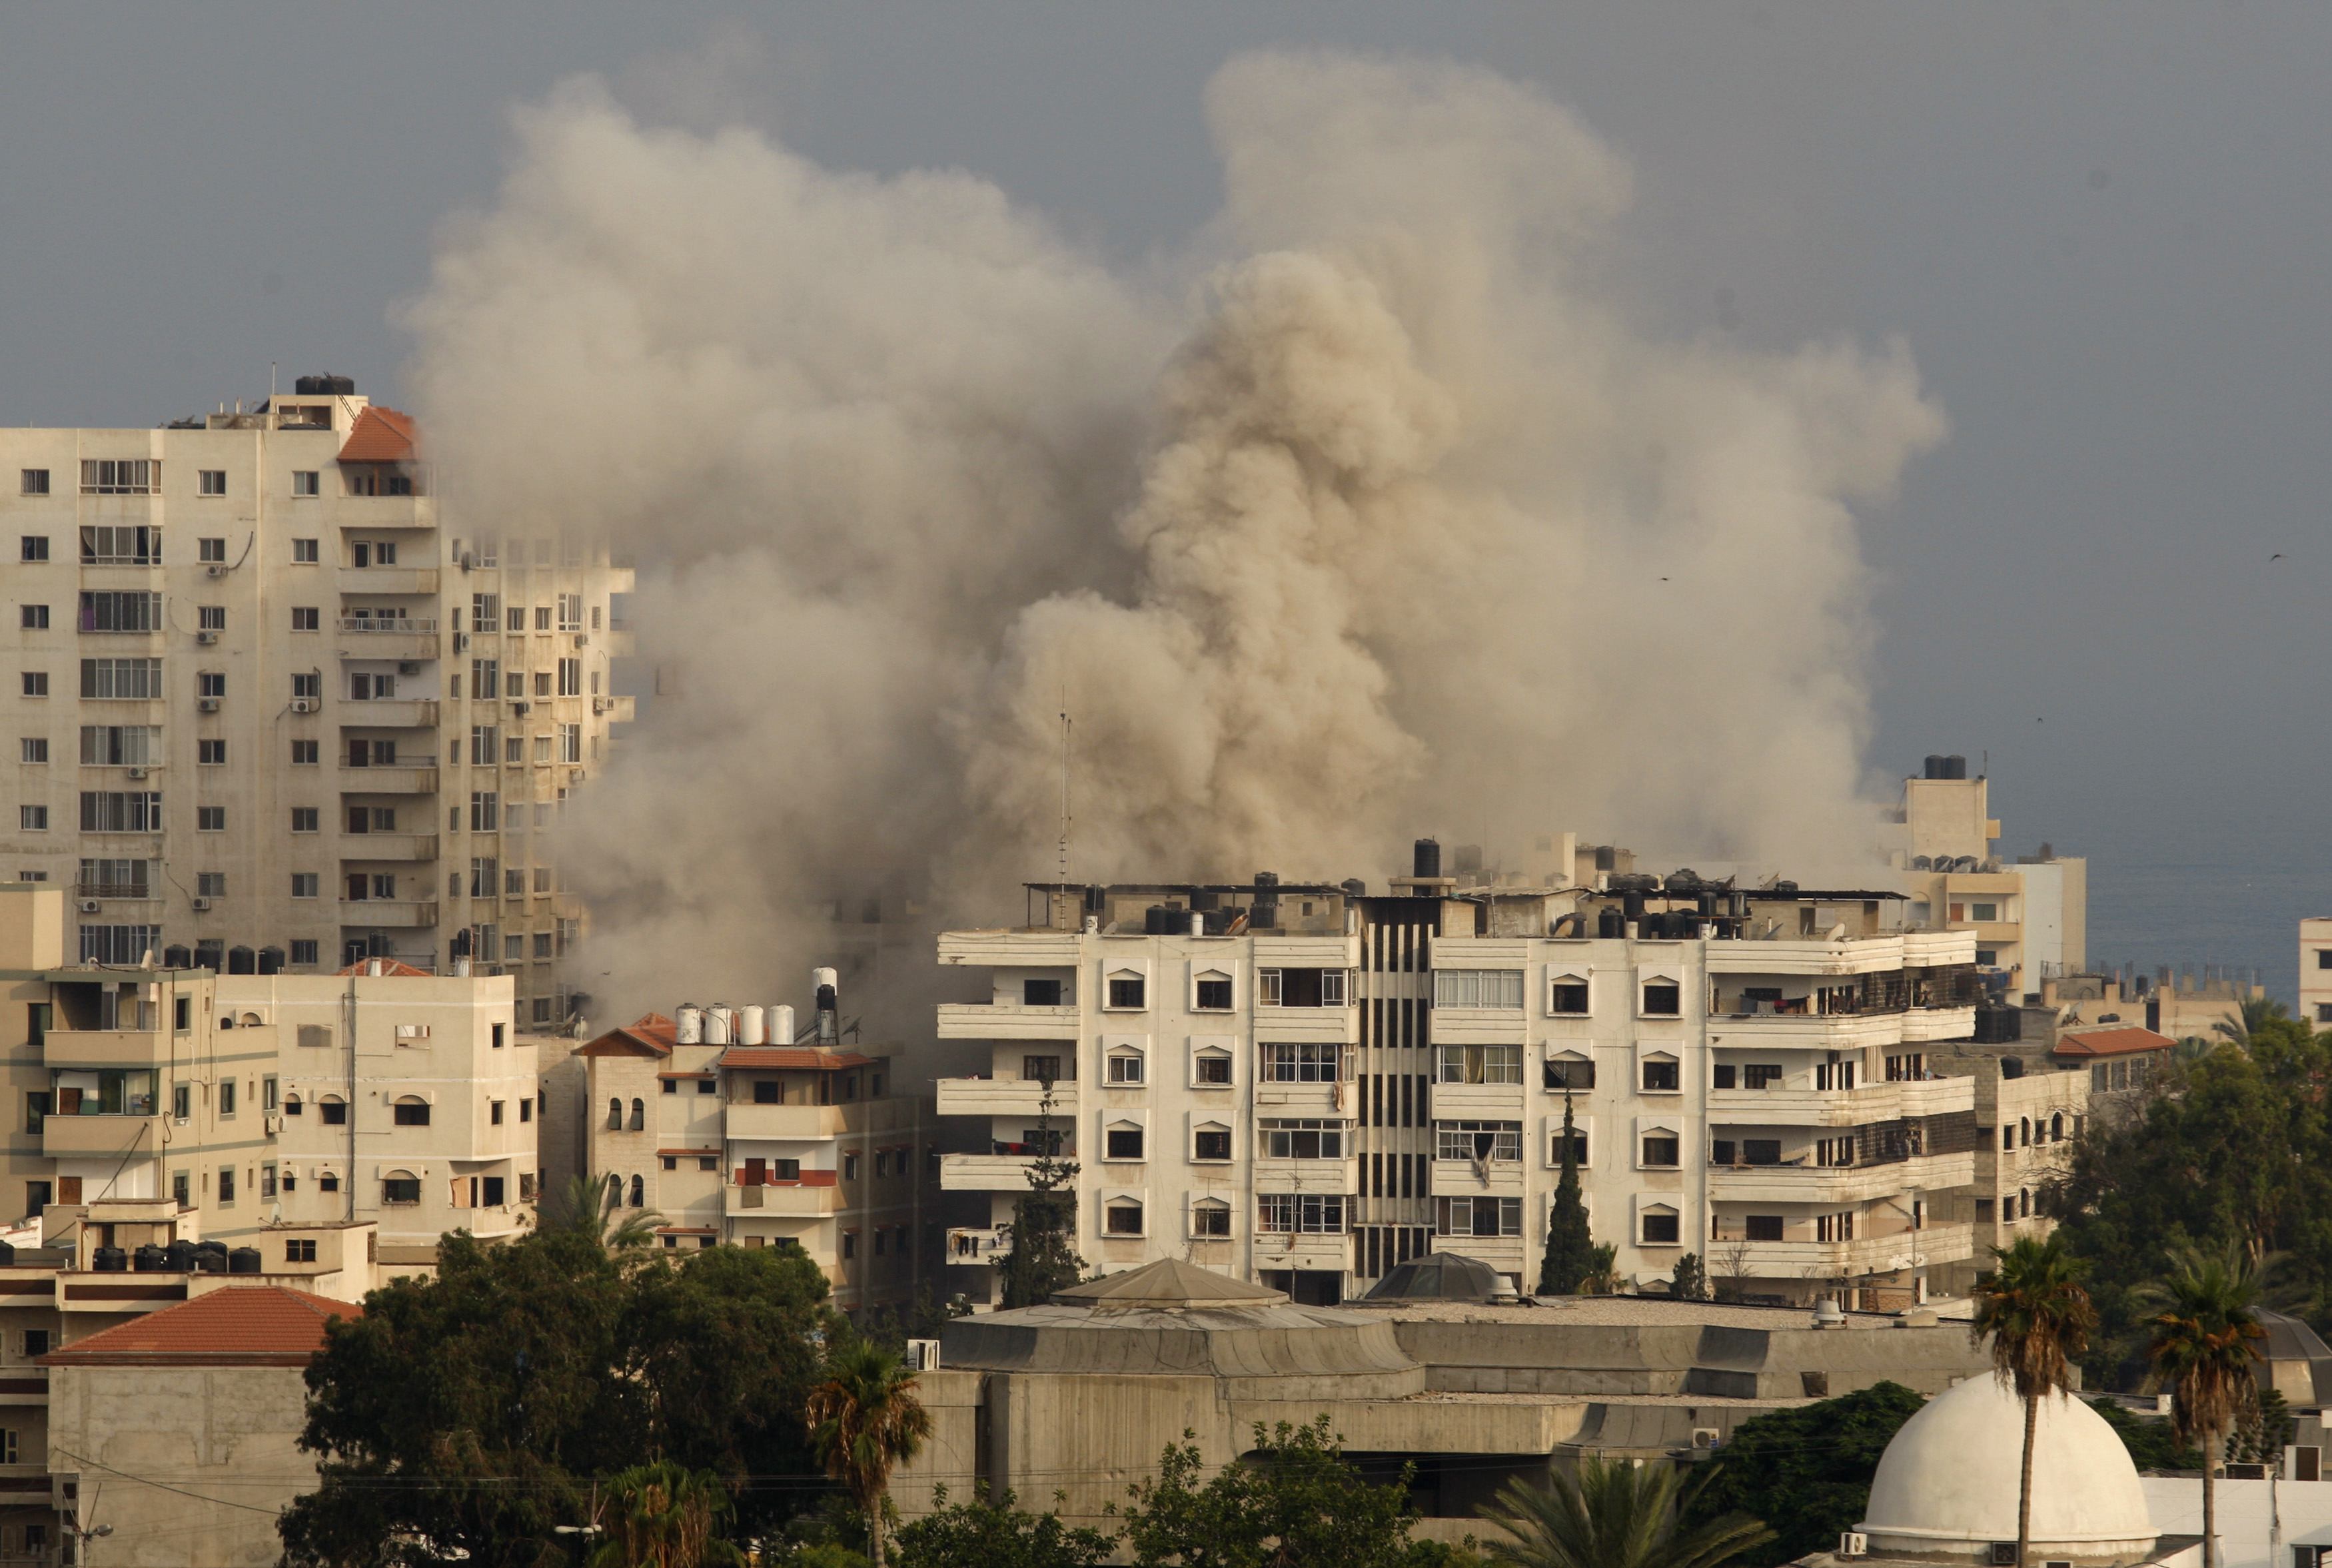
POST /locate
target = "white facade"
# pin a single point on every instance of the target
(2315, 972)
(1344, 1082)
(2030, 918)
(265, 692)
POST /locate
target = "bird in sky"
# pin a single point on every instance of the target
(2277, 556)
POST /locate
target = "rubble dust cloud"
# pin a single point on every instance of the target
(1376, 517)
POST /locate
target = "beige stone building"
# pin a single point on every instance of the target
(731, 1126)
(273, 704)
(2030, 917)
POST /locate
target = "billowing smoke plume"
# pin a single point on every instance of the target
(1386, 521)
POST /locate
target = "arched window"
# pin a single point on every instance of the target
(2057, 1127)
(1121, 1217)
(639, 1193)
(410, 1112)
(400, 1187)
(639, 1115)
(1210, 1217)
(615, 1116)
(2024, 1132)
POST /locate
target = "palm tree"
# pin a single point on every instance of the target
(588, 1204)
(1613, 1514)
(864, 1418)
(2204, 1343)
(2039, 1318)
(663, 1515)
(2254, 1012)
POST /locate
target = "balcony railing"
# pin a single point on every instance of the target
(974, 1244)
(418, 626)
(114, 891)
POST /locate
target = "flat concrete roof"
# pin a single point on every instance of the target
(1617, 1311)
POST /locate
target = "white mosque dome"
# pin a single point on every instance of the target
(1948, 1481)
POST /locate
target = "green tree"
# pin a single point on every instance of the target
(1570, 1243)
(1292, 1503)
(1043, 1259)
(663, 1515)
(1690, 1282)
(1805, 1472)
(2032, 1309)
(592, 1206)
(2205, 1341)
(863, 1420)
(2153, 1444)
(2250, 1018)
(995, 1533)
(1614, 1514)
(1602, 1276)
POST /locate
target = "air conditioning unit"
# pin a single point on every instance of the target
(1707, 1437)
(2003, 1554)
(207, 704)
(1853, 1544)
(133, 772)
(92, 906)
(582, 639)
(214, 570)
(202, 906)
(518, 709)
(303, 704)
(206, 638)
(923, 1355)
(599, 704)
(412, 1032)
(461, 641)
(274, 1122)
(468, 561)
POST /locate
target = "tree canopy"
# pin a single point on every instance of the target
(1805, 1472)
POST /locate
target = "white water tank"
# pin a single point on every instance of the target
(752, 1025)
(688, 1026)
(782, 1024)
(719, 1024)
(826, 977)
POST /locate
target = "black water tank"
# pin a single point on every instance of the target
(243, 1260)
(325, 386)
(1631, 905)
(149, 1260)
(1934, 767)
(1956, 766)
(1354, 888)
(110, 1260)
(1709, 898)
(177, 957)
(210, 1257)
(1157, 920)
(178, 1257)
(1607, 857)
(1608, 923)
(1204, 898)
(1267, 878)
(271, 960)
(242, 961)
(2012, 1066)
(1425, 858)
(1683, 879)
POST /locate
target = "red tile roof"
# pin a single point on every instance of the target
(652, 1034)
(236, 1325)
(791, 1056)
(387, 966)
(380, 435)
(2125, 1041)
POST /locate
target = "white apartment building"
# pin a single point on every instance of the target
(384, 1096)
(1303, 1086)
(2030, 918)
(2316, 971)
(731, 1127)
(274, 707)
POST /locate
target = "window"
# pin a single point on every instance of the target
(36, 683)
(329, 1181)
(1660, 1076)
(38, 1196)
(303, 483)
(1663, 999)
(570, 679)
(304, 950)
(526, 1110)
(1566, 993)
(1121, 1217)
(35, 482)
(124, 812)
(1761, 1228)
(1480, 1063)
(33, 548)
(570, 743)
(212, 481)
(1214, 992)
(303, 553)
(124, 945)
(1125, 1066)
(1479, 1216)
(1212, 1069)
(1122, 1142)
(1300, 1062)
(207, 818)
(119, 477)
(1300, 988)
(128, 610)
(182, 1101)
(1477, 988)
(485, 817)
(1210, 1217)
(1041, 993)
(1127, 991)
(210, 550)
(33, 617)
(570, 614)
(1662, 1151)
(119, 679)
(309, 686)
(1578, 1145)
(1499, 1141)
(1211, 1143)
(36, 1108)
(1660, 1228)
(1305, 1214)
(182, 1187)
(1983, 912)
(210, 753)
(226, 1185)
(411, 1113)
(36, 1343)
(1299, 1140)
(485, 678)
(401, 1188)
(306, 618)
(1569, 1072)
(32, 819)
(210, 884)
(210, 683)
(120, 745)
(300, 1250)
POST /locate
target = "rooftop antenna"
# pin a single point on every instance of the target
(1064, 785)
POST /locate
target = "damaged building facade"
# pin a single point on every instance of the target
(1306, 1085)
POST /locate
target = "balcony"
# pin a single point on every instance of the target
(385, 512)
(1307, 1023)
(1003, 1097)
(1922, 1248)
(366, 638)
(1464, 1179)
(388, 913)
(392, 713)
(389, 847)
(104, 1137)
(89, 1047)
(972, 1244)
(1805, 1031)
(388, 781)
(1810, 1183)
(1281, 1098)
(1477, 1101)
(1924, 1023)
(1809, 1107)
(1037, 949)
(986, 1173)
(1007, 1021)
(746, 1120)
(795, 1202)
(390, 580)
(118, 892)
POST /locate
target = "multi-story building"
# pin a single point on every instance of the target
(382, 1096)
(1305, 1085)
(271, 709)
(2316, 971)
(2030, 918)
(730, 1127)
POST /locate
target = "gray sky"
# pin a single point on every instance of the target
(2102, 229)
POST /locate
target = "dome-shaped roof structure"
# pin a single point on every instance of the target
(2295, 1362)
(1442, 1276)
(1950, 1479)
